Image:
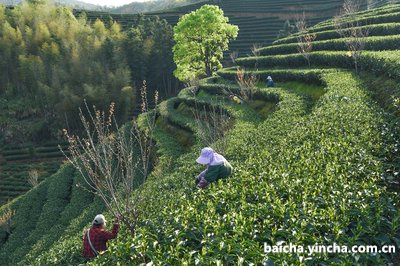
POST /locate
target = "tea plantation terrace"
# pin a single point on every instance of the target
(259, 21)
(315, 158)
(17, 161)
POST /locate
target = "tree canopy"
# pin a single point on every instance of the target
(201, 37)
(50, 61)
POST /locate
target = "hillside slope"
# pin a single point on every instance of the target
(259, 21)
(316, 161)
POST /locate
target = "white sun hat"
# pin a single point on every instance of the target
(99, 219)
(206, 156)
(209, 156)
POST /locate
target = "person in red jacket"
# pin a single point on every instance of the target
(95, 239)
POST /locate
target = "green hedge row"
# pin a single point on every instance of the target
(168, 110)
(42, 214)
(14, 177)
(179, 183)
(58, 197)
(381, 63)
(373, 30)
(80, 199)
(67, 248)
(17, 157)
(325, 59)
(312, 76)
(66, 234)
(328, 155)
(366, 13)
(60, 252)
(28, 209)
(371, 44)
(49, 149)
(386, 18)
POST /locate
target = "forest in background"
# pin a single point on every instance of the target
(52, 61)
(134, 7)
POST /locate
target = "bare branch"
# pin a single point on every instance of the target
(113, 163)
(33, 177)
(305, 39)
(247, 83)
(352, 32)
(6, 219)
(212, 125)
(233, 56)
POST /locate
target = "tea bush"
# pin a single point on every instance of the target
(371, 44)
(320, 168)
(230, 221)
(381, 63)
(373, 30)
(363, 20)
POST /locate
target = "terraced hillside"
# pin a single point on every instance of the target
(259, 20)
(316, 160)
(18, 162)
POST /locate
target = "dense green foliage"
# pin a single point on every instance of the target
(45, 213)
(373, 30)
(201, 37)
(254, 29)
(383, 63)
(148, 52)
(335, 151)
(53, 61)
(230, 221)
(375, 43)
(14, 177)
(320, 166)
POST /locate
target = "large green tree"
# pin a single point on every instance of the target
(201, 37)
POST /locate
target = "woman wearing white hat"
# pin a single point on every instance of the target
(95, 239)
(217, 167)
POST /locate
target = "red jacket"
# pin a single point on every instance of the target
(99, 238)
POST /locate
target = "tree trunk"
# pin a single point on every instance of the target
(208, 71)
(208, 67)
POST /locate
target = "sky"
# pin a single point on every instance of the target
(112, 2)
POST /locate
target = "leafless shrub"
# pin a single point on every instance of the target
(33, 177)
(233, 56)
(305, 39)
(193, 86)
(350, 7)
(6, 219)
(351, 31)
(255, 49)
(247, 83)
(212, 123)
(115, 161)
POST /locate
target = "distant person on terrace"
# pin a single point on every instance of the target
(270, 82)
(236, 99)
(95, 239)
(217, 167)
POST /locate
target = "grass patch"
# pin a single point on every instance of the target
(183, 136)
(263, 108)
(314, 91)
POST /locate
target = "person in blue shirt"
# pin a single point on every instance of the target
(270, 82)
